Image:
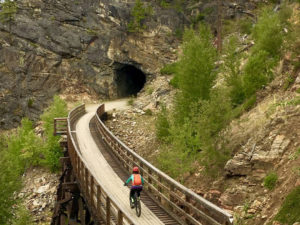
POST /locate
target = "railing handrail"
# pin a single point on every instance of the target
(104, 190)
(203, 202)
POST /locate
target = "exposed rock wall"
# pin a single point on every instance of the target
(74, 47)
(51, 45)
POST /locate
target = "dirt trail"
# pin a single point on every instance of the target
(102, 171)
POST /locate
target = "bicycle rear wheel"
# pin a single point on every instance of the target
(138, 208)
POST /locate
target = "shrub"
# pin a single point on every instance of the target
(257, 72)
(245, 25)
(289, 212)
(8, 11)
(52, 149)
(231, 68)
(268, 33)
(169, 69)
(22, 217)
(250, 102)
(148, 112)
(270, 180)
(22, 150)
(139, 13)
(162, 124)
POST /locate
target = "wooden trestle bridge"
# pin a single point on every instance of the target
(94, 168)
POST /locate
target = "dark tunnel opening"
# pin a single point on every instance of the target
(129, 80)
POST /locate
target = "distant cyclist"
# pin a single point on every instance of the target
(137, 184)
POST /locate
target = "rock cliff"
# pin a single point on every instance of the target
(84, 47)
(51, 46)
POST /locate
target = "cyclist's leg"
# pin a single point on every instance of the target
(132, 193)
(139, 192)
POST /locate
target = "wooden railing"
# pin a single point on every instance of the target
(189, 207)
(101, 205)
(60, 126)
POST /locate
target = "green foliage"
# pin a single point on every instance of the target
(139, 13)
(268, 33)
(22, 149)
(8, 11)
(169, 69)
(289, 212)
(232, 72)
(245, 25)
(148, 112)
(162, 124)
(52, 148)
(22, 217)
(130, 101)
(289, 80)
(30, 102)
(195, 72)
(164, 4)
(249, 103)
(257, 72)
(270, 180)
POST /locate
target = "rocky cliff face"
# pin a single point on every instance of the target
(84, 47)
(52, 46)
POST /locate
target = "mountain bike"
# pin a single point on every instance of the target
(136, 204)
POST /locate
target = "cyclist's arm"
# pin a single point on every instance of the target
(142, 180)
(129, 179)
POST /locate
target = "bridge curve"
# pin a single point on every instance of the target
(103, 190)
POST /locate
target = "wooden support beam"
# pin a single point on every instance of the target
(71, 187)
(65, 160)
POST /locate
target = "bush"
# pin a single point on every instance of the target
(257, 72)
(245, 26)
(289, 212)
(270, 180)
(52, 149)
(22, 150)
(162, 125)
(231, 68)
(169, 69)
(268, 33)
(22, 217)
(8, 11)
(139, 13)
(250, 102)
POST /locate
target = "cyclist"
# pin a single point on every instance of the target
(137, 184)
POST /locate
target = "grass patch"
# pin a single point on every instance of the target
(289, 212)
(169, 69)
(270, 181)
(148, 112)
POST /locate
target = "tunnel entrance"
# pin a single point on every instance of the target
(129, 80)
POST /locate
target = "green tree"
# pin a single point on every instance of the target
(232, 72)
(195, 72)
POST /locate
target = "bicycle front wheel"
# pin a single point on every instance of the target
(138, 208)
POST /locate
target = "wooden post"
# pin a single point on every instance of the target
(86, 182)
(187, 208)
(98, 199)
(92, 191)
(159, 187)
(170, 195)
(107, 210)
(149, 179)
(120, 217)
